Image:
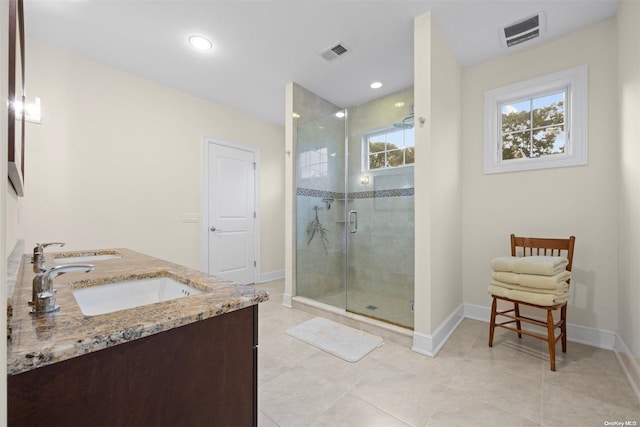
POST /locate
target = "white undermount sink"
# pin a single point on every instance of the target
(85, 258)
(102, 299)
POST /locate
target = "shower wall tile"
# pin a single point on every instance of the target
(318, 132)
(319, 271)
(310, 106)
(380, 253)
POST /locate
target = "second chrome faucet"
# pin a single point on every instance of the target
(43, 296)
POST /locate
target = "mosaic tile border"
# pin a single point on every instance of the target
(310, 192)
(374, 194)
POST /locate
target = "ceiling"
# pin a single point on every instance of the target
(260, 46)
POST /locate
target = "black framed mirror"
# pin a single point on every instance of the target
(16, 125)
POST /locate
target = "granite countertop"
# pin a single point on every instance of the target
(46, 338)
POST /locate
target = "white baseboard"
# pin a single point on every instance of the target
(575, 333)
(477, 312)
(430, 345)
(630, 364)
(273, 275)
(286, 300)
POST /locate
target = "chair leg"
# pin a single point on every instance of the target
(563, 327)
(516, 310)
(492, 323)
(551, 338)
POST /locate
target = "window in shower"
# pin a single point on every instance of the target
(388, 148)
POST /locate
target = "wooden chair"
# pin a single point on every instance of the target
(529, 246)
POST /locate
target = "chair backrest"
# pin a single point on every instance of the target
(530, 246)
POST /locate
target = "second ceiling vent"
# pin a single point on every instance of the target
(523, 30)
(335, 51)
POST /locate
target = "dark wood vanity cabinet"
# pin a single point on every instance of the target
(200, 374)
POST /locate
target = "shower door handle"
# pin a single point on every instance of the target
(353, 229)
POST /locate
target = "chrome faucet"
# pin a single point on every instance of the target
(38, 261)
(38, 254)
(43, 294)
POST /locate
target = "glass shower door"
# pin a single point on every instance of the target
(354, 207)
(320, 210)
(380, 242)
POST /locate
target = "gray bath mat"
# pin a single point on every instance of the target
(342, 341)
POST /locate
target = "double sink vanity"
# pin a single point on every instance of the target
(137, 341)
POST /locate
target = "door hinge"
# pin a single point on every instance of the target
(254, 165)
(255, 263)
(254, 215)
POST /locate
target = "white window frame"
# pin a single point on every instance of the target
(575, 82)
(365, 151)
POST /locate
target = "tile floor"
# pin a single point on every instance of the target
(467, 384)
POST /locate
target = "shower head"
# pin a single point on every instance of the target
(407, 123)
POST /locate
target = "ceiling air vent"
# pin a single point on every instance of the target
(335, 51)
(522, 31)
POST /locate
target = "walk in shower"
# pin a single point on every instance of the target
(354, 205)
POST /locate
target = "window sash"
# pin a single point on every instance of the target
(576, 115)
(386, 151)
(531, 129)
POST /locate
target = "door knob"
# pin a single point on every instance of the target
(213, 228)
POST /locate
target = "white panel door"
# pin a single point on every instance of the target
(231, 222)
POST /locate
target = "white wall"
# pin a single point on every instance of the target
(629, 231)
(580, 201)
(117, 160)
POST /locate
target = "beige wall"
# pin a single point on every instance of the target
(437, 172)
(446, 179)
(118, 159)
(554, 202)
(629, 226)
(421, 177)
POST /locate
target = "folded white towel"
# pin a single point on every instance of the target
(530, 297)
(543, 265)
(533, 280)
(561, 290)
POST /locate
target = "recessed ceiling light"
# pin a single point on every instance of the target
(200, 43)
(340, 114)
(376, 85)
(399, 104)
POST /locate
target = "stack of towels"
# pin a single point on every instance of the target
(540, 280)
